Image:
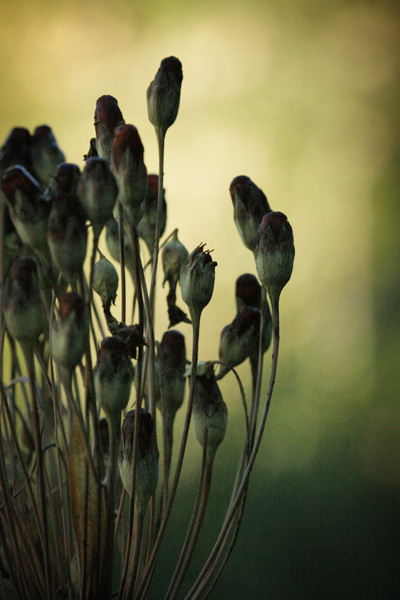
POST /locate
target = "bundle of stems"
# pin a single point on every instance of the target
(83, 511)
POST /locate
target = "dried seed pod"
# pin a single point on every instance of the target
(274, 253)
(97, 192)
(209, 409)
(67, 236)
(174, 255)
(239, 339)
(164, 93)
(69, 338)
(173, 354)
(105, 281)
(113, 375)
(45, 153)
(130, 171)
(28, 212)
(197, 280)
(147, 458)
(249, 206)
(23, 309)
(16, 150)
(107, 117)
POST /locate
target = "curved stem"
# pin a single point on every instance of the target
(206, 572)
(122, 261)
(151, 562)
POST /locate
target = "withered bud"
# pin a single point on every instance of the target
(107, 117)
(197, 280)
(147, 458)
(45, 153)
(209, 409)
(69, 337)
(16, 149)
(67, 236)
(23, 312)
(113, 375)
(274, 254)
(249, 206)
(105, 281)
(174, 255)
(248, 291)
(98, 192)
(239, 339)
(147, 224)
(130, 171)
(173, 359)
(28, 211)
(64, 181)
(164, 93)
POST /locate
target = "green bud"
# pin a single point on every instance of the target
(70, 332)
(147, 457)
(197, 280)
(105, 281)
(163, 94)
(113, 375)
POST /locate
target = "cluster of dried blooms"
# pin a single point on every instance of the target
(79, 473)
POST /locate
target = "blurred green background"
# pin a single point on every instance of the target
(303, 98)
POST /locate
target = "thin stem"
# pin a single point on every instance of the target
(122, 260)
(204, 577)
(161, 144)
(188, 546)
(195, 351)
(41, 492)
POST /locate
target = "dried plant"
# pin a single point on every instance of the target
(80, 477)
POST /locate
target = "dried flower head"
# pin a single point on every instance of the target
(147, 458)
(113, 375)
(105, 281)
(70, 332)
(23, 310)
(197, 280)
(45, 153)
(107, 117)
(147, 224)
(249, 206)
(98, 192)
(164, 93)
(274, 253)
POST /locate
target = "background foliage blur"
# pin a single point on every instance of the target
(303, 98)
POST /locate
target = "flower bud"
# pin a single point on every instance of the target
(130, 171)
(105, 281)
(147, 458)
(112, 241)
(240, 339)
(23, 311)
(28, 212)
(45, 153)
(274, 254)
(197, 280)
(163, 94)
(107, 117)
(248, 293)
(147, 224)
(69, 336)
(98, 192)
(67, 236)
(209, 409)
(113, 375)
(249, 206)
(174, 255)
(64, 181)
(16, 150)
(173, 355)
